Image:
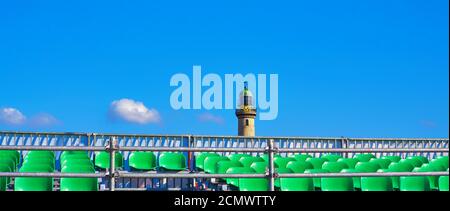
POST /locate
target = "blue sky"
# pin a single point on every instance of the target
(346, 68)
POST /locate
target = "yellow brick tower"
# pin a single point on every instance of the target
(246, 113)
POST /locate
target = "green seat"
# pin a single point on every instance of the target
(334, 167)
(172, 161)
(39, 163)
(145, 161)
(443, 160)
(73, 157)
(259, 167)
(356, 180)
(9, 161)
(337, 184)
(200, 159)
(364, 157)
(392, 158)
(316, 162)
(78, 184)
(414, 162)
(265, 157)
(440, 164)
(281, 162)
(248, 161)
(398, 167)
(40, 154)
(331, 157)
(367, 167)
(11, 153)
(277, 183)
(237, 170)
(422, 159)
(74, 154)
(211, 162)
(376, 183)
(253, 184)
(351, 162)
(237, 157)
(86, 167)
(414, 183)
(102, 159)
(297, 184)
(223, 166)
(4, 181)
(301, 157)
(317, 181)
(77, 162)
(443, 183)
(33, 183)
(299, 166)
(383, 163)
(432, 180)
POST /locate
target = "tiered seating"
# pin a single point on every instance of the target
(213, 163)
(36, 162)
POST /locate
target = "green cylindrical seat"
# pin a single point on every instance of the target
(301, 157)
(102, 160)
(9, 161)
(337, 184)
(316, 162)
(439, 163)
(211, 162)
(351, 162)
(172, 161)
(237, 157)
(145, 161)
(356, 180)
(260, 167)
(376, 183)
(367, 167)
(331, 157)
(316, 180)
(238, 170)
(77, 162)
(414, 183)
(299, 166)
(392, 158)
(265, 157)
(200, 159)
(297, 184)
(334, 167)
(281, 162)
(40, 154)
(248, 161)
(77, 154)
(11, 153)
(383, 163)
(364, 157)
(413, 162)
(253, 184)
(422, 159)
(223, 166)
(78, 184)
(4, 180)
(432, 180)
(73, 157)
(34, 183)
(443, 183)
(443, 160)
(399, 167)
(281, 171)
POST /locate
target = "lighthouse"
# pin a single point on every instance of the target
(246, 113)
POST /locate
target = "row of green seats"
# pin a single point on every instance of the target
(77, 162)
(36, 162)
(9, 160)
(144, 161)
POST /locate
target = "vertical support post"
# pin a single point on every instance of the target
(112, 163)
(271, 166)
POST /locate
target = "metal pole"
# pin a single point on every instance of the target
(271, 166)
(112, 163)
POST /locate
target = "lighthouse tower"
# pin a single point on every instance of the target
(246, 113)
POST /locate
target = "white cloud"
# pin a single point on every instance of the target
(208, 117)
(134, 111)
(43, 120)
(11, 116)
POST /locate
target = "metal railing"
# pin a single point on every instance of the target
(112, 146)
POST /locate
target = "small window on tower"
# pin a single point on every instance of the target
(246, 122)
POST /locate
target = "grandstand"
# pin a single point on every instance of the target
(115, 162)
